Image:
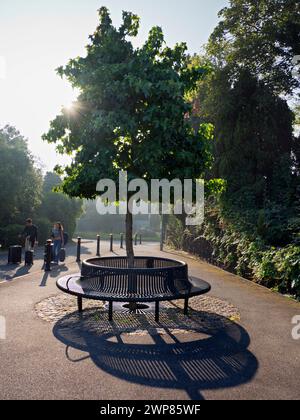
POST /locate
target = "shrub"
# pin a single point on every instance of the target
(9, 235)
(44, 229)
(175, 233)
(287, 262)
(225, 245)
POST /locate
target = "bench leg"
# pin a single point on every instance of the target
(79, 303)
(110, 311)
(157, 311)
(186, 306)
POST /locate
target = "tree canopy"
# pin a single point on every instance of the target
(260, 36)
(20, 192)
(130, 114)
(57, 206)
(253, 226)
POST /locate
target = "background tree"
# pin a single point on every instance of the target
(251, 53)
(56, 206)
(130, 114)
(262, 37)
(253, 227)
(20, 192)
(254, 133)
(21, 188)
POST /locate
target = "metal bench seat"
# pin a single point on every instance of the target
(101, 280)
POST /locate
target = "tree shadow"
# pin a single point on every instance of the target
(218, 358)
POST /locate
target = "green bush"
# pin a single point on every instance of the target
(287, 261)
(44, 229)
(239, 252)
(9, 235)
(175, 233)
(265, 270)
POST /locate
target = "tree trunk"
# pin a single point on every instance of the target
(129, 242)
(130, 255)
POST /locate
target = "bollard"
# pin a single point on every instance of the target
(111, 243)
(98, 246)
(121, 240)
(78, 250)
(135, 239)
(164, 226)
(48, 255)
(140, 239)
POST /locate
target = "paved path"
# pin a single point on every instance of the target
(10, 272)
(254, 359)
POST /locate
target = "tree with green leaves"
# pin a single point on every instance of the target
(254, 148)
(57, 206)
(252, 54)
(131, 113)
(20, 192)
(296, 145)
(262, 37)
(254, 131)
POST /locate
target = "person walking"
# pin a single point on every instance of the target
(30, 233)
(58, 240)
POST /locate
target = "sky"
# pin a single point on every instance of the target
(37, 36)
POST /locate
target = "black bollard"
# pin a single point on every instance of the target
(98, 246)
(48, 255)
(78, 250)
(111, 243)
(140, 239)
(122, 241)
(135, 239)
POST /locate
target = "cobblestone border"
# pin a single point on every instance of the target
(55, 308)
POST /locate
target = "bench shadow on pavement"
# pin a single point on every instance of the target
(217, 357)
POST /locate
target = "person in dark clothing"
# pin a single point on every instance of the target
(30, 233)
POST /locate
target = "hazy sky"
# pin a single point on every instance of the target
(37, 36)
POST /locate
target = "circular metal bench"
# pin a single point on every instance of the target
(151, 280)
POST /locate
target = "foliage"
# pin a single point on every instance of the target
(44, 229)
(262, 37)
(131, 113)
(287, 262)
(230, 248)
(9, 235)
(253, 134)
(252, 227)
(57, 206)
(256, 155)
(20, 191)
(24, 194)
(175, 233)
